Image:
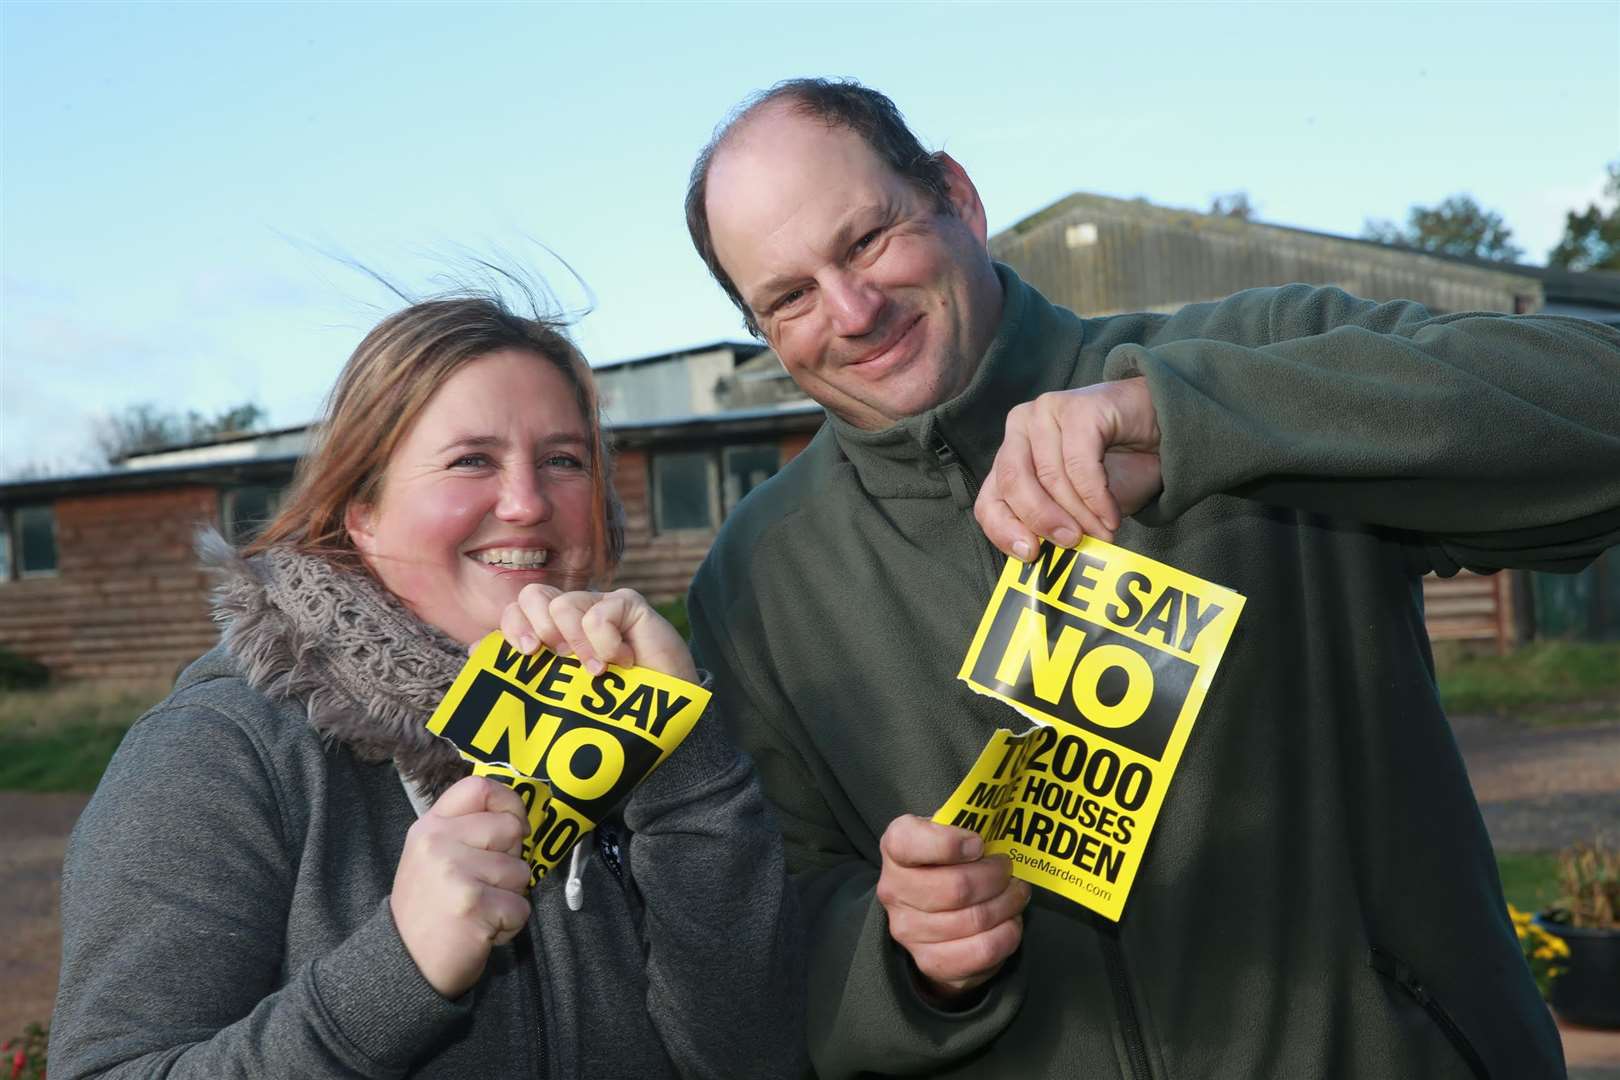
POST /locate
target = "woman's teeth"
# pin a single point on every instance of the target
(513, 558)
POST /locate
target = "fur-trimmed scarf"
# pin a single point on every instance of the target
(367, 670)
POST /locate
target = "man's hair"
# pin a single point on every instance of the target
(382, 390)
(837, 103)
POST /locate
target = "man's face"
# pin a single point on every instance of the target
(880, 304)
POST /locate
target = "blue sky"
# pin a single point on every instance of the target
(174, 178)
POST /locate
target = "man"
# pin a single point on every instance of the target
(1319, 897)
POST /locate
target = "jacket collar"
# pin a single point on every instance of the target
(367, 672)
(1035, 350)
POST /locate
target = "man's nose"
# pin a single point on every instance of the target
(523, 499)
(854, 304)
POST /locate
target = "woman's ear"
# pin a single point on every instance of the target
(357, 519)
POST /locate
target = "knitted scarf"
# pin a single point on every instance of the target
(367, 671)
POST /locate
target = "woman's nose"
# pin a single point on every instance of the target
(523, 499)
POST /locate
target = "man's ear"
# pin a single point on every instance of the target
(964, 197)
(357, 519)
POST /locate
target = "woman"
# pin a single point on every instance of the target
(284, 874)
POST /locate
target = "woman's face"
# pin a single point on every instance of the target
(489, 490)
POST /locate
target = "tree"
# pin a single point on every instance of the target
(1232, 204)
(1592, 238)
(143, 428)
(1458, 226)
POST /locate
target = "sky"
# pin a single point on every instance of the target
(184, 188)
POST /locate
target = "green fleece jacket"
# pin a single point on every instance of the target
(1319, 896)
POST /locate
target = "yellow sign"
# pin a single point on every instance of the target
(572, 745)
(1111, 653)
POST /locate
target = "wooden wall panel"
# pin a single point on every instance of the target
(128, 599)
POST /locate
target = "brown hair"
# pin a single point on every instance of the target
(838, 103)
(383, 388)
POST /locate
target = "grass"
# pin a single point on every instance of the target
(60, 738)
(1529, 881)
(1547, 682)
(675, 611)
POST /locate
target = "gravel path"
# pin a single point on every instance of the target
(35, 836)
(1544, 789)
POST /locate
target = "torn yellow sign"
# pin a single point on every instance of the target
(1111, 653)
(572, 745)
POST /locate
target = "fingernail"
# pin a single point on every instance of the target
(1066, 537)
(972, 846)
(1021, 550)
(595, 666)
(527, 643)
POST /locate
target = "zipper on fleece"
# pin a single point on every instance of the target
(607, 842)
(1130, 1030)
(964, 490)
(1395, 969)
(529, 952)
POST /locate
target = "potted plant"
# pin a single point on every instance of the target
(1587, 921)
(1542, 951)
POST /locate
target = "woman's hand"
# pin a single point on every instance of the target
(619, 627)
(461, 884)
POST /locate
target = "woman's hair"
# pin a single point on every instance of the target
(384, 387)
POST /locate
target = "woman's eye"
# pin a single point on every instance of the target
(470, 461)
(564, 461)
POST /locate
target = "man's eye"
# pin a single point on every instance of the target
(788, 299)
(866, 241)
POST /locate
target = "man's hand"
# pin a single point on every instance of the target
(958, 914)
(1071, 464)
(461, 885)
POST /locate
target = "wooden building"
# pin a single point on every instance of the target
(98, 578)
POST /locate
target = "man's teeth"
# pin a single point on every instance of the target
(514, 558)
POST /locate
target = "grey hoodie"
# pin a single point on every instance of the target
(224, 910)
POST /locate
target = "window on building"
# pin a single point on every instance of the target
(683, 491)
(27, 542)
(696, 489)
(745, 468)
(247, 509)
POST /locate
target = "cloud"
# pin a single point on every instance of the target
(215, 340)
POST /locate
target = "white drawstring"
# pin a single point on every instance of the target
(574, 890)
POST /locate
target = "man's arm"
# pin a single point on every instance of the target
(1496, 438)
(868, 1010)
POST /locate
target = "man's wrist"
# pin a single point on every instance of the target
(943, 996)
